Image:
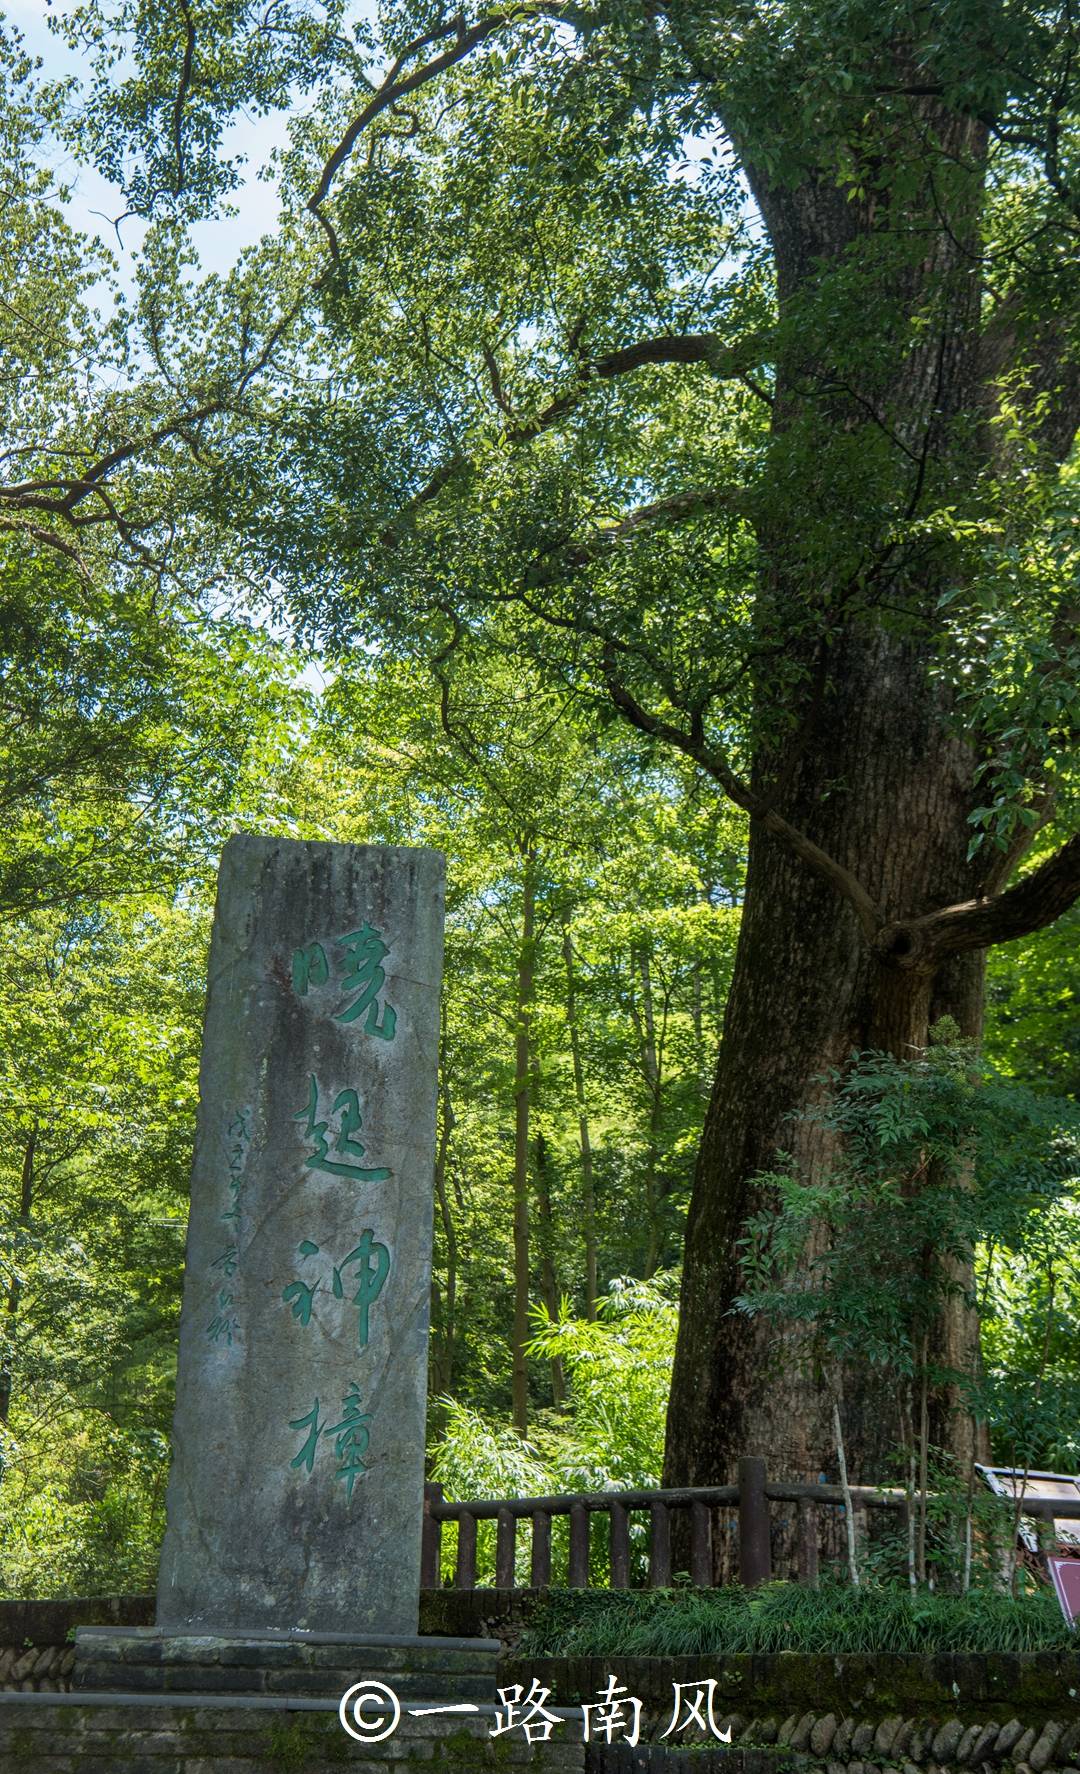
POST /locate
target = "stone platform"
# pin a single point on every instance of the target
(245, 1734)
(153, 1660)
(149, 1701)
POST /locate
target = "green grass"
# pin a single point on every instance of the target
(786, 1617)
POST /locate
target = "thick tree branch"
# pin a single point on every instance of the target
(61, 496)
(48, 539)
(919, 944)
(1034, 902)
(398, 84)
(673, 509)
(729, 361)
(695, 745)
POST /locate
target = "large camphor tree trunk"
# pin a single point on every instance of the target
(805, 994)
(845, 942)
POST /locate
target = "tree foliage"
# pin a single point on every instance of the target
(946, 1172)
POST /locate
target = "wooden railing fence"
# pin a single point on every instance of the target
(748, 1500)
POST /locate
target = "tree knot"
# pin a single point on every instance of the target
(901, 945)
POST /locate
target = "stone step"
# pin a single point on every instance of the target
(469, 1655)
(147, 1661)
(327, 1681)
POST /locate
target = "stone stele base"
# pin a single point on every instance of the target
(148, 1701)
(151, 1660)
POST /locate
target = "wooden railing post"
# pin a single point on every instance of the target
(465, 1574)
(755, 1554)
(620, 1546)
(505, 1547)
(540, 1567)
(578, 1574)
(660, 1546)
(431, 1540)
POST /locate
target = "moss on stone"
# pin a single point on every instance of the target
(21, 1746)
(295, 1745)
(288, 1747)
(463, 1748)
(973, 1688)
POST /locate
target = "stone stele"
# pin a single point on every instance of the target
(296, 1493)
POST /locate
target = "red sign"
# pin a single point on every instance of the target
(1066, 1575)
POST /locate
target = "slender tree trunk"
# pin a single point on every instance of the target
(15, 1286)
(849, 1508)
(445, 1318)
(696, 1015)
(522, 1085)
(645, 1023)
(876, 767)
(924, 1459)
(969, 1529)
(549, 1284)
(588, 1192)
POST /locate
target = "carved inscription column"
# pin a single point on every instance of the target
(296, 1490)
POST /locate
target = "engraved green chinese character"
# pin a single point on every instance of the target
(349, 1149)
(309, 968)
(372, 1263)
(298, 1293)
(365, 950)
(302, 1298)
(351, 1437)
(306, 1456)
(370, 1260)
(224, 1324)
